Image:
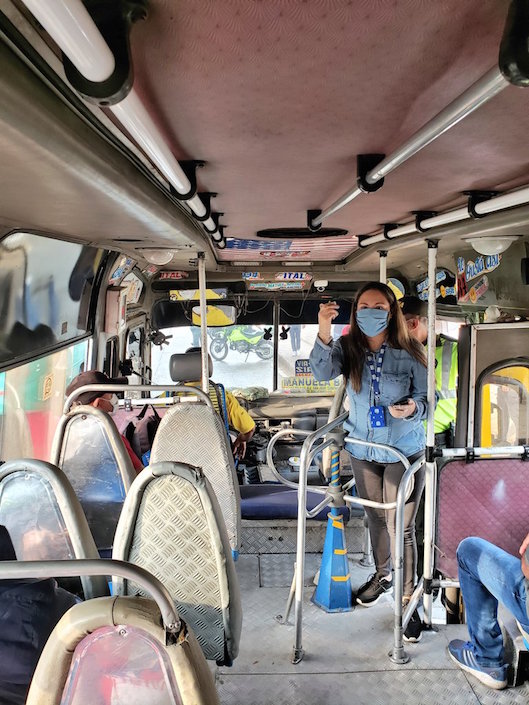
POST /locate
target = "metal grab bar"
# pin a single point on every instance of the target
(10, 570)
(511, 451)
(371, 444)
(398, 652)
(321, 489)
(297, 653)
(179, 388)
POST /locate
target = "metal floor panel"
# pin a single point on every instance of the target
(277, 569)
(346, 658)
(402, 688)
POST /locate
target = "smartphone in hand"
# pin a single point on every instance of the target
(401, 402)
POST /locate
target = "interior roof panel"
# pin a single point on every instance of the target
(280, 96)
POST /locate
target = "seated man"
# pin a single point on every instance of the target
(101, 400)
(29, 610)
(488, 575)
(238, 418)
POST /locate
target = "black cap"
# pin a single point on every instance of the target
(413, 306)
(91, 377)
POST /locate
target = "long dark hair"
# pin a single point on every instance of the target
(355, 343)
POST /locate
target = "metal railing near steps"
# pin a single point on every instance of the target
(336, 498)
(13, 570)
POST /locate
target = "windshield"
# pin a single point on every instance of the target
(243, 356)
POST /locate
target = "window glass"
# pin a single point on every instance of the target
(45, 292)
(504, 407)
(241, 355)
(32, 402)
(134, 353)
(295, 375)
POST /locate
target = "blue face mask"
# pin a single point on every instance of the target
(372, 321)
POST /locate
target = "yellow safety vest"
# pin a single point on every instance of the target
(445, 383)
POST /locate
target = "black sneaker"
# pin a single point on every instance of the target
(413, 632)
(371, 592)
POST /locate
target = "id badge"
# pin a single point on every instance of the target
(377, 416)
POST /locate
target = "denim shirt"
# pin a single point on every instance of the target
(402, 375)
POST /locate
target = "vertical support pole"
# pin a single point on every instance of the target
(333, 592)
(383, 264)
(297, 650)
(367, 559)
(275, 321)
(203, 320)
(430, 474)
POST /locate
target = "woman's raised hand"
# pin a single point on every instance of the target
(326, 316)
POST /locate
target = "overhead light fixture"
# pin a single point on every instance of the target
(491, 245)
(159, 257)
(295, 263)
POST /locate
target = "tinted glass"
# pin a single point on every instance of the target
(504, 407)
(45, 292)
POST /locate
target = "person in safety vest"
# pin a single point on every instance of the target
(416, 314)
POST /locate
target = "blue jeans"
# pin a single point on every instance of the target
(488, 575)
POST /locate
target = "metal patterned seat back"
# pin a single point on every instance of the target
(486, 498)
(89, 449)
(114, 650)
(44, 517)
(172, 526)
(193, 433)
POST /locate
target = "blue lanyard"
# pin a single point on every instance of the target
(375, 367)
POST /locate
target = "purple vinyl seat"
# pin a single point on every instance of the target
(486, 498)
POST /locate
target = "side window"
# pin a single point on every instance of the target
(111, 362)
(134, 353)
(42, 304)
(504, 405)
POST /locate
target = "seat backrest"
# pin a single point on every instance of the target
(193, 433)
(44, 517)
(186, 368)
(88, 448)
(486, 498)
(172, 526)
(114, 650)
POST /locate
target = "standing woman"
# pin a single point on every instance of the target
(382, 365)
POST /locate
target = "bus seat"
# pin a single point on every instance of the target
(172, 526)
(269, 501)
(186, 368)
(194, 434)
(114, 650)
(88, 448)
(44, 517)
(486, 498)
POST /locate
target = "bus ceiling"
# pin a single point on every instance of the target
(297, 113)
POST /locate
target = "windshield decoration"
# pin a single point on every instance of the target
(124, 266)
(481, 290)
(445, 290)
(149, 271)
(174, 275)
(277, 286)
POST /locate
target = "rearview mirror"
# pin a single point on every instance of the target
(217, 316)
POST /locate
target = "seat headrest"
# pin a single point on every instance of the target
(187, 367)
